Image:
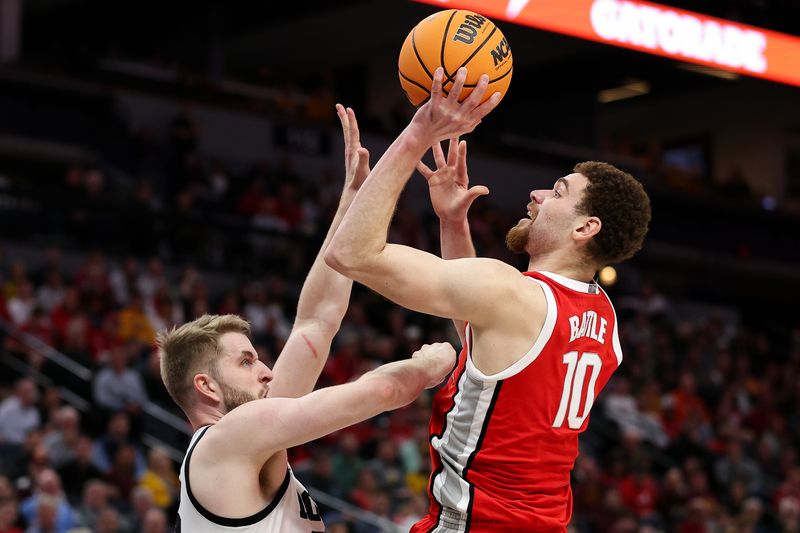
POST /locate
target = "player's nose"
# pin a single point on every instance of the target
(265, 376)
(538, 195)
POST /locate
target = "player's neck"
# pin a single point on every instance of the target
(562, 265)
(204, 416)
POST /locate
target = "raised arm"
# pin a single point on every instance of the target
(417, 280)
(325, 293)
(451, 198)
(264, 427)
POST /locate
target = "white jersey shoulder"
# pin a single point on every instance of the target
(291, 511)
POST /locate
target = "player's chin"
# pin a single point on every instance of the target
(517, 238)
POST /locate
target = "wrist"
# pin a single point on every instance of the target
(416, 139)
(454, 224)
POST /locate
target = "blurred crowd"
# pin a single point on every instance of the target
(697, 432)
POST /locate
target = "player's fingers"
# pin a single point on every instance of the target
(452, 151)
(342, 114)
(436, 87)
(486, 107)
(438, 156)
(355, 134)
(461, 165)
(362, 170)
(458, 84)
(478, 190)
(424, 170)
(477, 93)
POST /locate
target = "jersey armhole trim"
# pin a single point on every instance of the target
(615, 335)
(221, 520)
(531, 355)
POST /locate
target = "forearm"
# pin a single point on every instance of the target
(362, 234)
(455, 240)
(320, 309)
(400, 382)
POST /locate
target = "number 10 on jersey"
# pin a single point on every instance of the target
(573, 393)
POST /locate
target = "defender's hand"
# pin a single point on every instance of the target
(440, 358)
(356, 157)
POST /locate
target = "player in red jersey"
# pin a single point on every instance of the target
(539, 346)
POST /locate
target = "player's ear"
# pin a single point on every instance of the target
(589, 228)
(207, 387)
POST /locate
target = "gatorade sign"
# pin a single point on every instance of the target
(654, 29)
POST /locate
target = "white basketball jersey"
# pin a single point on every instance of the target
(290, 511)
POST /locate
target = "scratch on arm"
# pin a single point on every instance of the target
(310, 346)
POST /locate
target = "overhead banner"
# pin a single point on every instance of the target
(655, 29)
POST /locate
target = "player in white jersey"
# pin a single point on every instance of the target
(236, 476)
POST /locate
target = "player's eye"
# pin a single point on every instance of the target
(247, 362)
(556, 194)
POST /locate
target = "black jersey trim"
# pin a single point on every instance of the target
(221, 520)
(478, 445)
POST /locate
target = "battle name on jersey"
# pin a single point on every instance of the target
(586, 326)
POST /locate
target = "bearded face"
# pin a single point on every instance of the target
(551, 218)
(233, 397)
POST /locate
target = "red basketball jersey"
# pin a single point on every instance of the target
(502, 446)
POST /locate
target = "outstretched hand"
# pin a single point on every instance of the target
(451, 195)
(443, 116)
(356, 157)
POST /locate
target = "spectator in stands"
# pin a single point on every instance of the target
(123, 280)
(18, 414)
(141, 503)
(162, 311)
(365, 488)
(92, 276)
(62, 438)
(346, 464)
(109, 521)
(95, 499)
(387, 467)
(17, 276)
(681, 404)
(152, 279)
(79, 471)
(161, 479)
(155, 521)
(118, 435)
(51, 292)
(20, 306)
(736, 466)
(117, 387)
(133, 322)
(266, 317)
(123, 473)
(47, 508)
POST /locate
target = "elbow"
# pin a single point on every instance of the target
(335, 259)
(345, 259)
(390, 393)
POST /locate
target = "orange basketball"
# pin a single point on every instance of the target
(453, 39)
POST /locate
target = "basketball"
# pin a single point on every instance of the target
(453, 39)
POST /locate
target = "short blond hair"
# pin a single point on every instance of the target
(191, 349)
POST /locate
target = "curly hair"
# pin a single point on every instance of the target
(623, 207)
